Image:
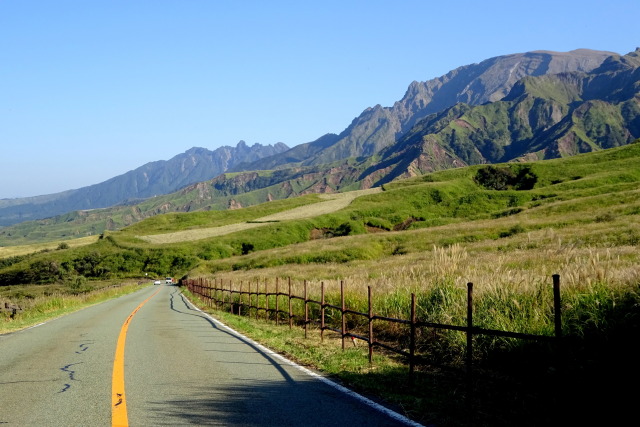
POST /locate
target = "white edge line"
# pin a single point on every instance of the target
(396, 416)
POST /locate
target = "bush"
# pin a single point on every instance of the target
(246, 248)
(349, 228)
(505, 178)
(516, 229)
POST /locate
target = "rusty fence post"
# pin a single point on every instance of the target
(322, 312)
(214, 293)
(469, 348)
(277, 305)
(209, 295)
(266, 299)
(257, 299)
(412, 342)
(557, 306)
(249, 298)
(290, 307)
(240, 303)
(306, 309)
(370, 325)
(342, 310)
(223, 291)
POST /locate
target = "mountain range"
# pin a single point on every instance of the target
(519, 107)
(151, 179)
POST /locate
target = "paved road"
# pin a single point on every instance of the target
(180, 368)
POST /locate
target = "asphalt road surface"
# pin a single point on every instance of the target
(179, 367)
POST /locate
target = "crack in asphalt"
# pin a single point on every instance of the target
(71, 373)
(82, 348)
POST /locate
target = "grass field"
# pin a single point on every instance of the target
(333, 203)
(429, 235)
(11, 251)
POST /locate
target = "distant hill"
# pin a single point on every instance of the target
(154, 178)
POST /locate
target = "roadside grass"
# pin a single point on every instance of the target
(40, 303)
(599, 321)
(511, 276)
(512, 292)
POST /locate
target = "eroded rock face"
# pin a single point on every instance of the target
(490, 80)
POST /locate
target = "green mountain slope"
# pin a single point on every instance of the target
(573, 192)
(542, 117)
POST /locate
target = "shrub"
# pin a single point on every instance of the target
(516, 229)
(504, 178)
(246, 248)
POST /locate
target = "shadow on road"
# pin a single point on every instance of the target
(181, 305)
(266, 403)
(282, 399)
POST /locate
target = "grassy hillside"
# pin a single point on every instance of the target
(506, 228)
(407, 216)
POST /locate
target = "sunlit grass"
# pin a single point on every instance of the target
(38, 306)
(10, 251)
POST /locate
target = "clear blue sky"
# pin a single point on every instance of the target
(90, 89)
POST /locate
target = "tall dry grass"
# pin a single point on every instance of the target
(511, 277)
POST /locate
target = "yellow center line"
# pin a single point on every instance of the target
(118, 401)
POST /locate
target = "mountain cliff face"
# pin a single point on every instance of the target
(542, 117)
(490, 80)
(155, 178)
